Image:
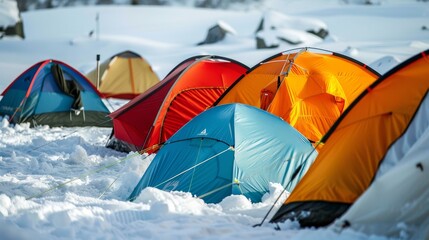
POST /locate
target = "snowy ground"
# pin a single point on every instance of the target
(62, 183)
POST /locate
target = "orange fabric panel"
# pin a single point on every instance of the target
(248, 89)
(352, 153)
(307, 101)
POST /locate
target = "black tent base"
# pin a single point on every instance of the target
(311, 213)
(70, 119)
(120, 145)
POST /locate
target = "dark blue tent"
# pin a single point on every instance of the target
(53, 93)
(229, 149)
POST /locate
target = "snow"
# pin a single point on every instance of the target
(226, 27)
(62, 183)
(9, 13)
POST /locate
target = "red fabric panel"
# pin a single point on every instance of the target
(185, 107)
(133, 121)
(196, 90)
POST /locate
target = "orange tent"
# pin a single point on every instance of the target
(356, 145)
(309, 88)
(190, 88)
(125, 75)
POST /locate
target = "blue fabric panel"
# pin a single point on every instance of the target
(46, 80)
(92, 102)
(267, 150)
(11, 101)
(38, 81)
(23, 82)
(28, 108)
(175, 159)
(58, 102)
(216, 124)
(49, 84)
(53, 102)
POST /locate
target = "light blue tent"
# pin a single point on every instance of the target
(229, 149)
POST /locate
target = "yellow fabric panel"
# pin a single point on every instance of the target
(121, 75)
(350, 157)
(336, 72)
(317, 90)
(143, 75)
(314, 116)
(116, 78)
(132, 73)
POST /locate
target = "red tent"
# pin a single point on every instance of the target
(155, 115)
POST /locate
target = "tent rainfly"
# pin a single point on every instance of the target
(229, 149)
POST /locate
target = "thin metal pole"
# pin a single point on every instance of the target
(97, 26)
(98, 71)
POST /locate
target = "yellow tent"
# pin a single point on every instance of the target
(357, 144)
(309, 88)
(124, 75)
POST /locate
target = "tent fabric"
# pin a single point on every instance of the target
(402, 183)
(68, 87)
(229, 149)
(309, 88)
(124, 75)
(55, 94)
(190, 88)
(357, 144)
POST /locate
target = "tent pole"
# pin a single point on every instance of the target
(97, 26)
(98, 71)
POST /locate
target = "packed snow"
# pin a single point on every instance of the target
(63, 183)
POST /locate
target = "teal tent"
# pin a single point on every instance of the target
(53, 93)
(229, 149)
